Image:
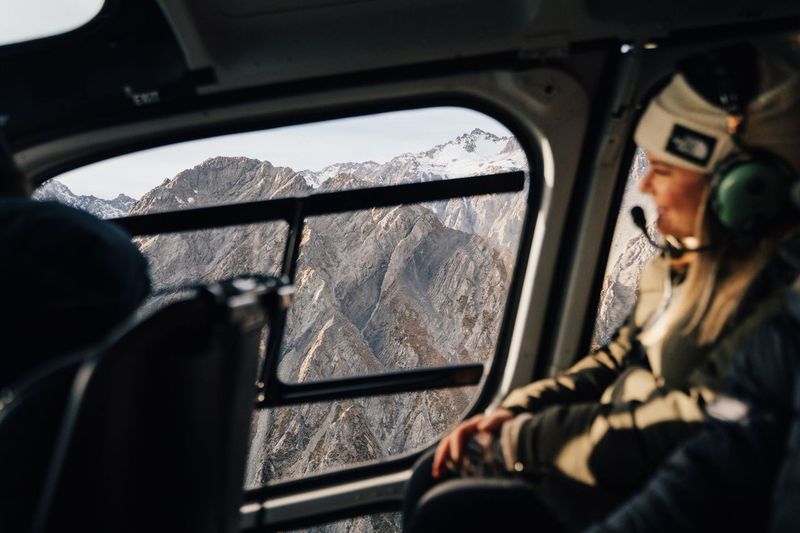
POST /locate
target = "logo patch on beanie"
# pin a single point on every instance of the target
(691, 145)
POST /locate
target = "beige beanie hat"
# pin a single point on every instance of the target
(682, 128)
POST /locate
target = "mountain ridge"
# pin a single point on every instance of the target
(54, 190)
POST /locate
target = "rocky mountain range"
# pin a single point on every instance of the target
(377, 290)
(471, 154)
(629, 252)
(57, 191)
(474, 153)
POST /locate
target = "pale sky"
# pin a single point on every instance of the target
(314, 146)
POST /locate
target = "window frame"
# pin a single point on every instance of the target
(486, 375)
(528, 116)
(294, 211)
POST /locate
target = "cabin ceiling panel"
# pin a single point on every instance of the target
(257, 42)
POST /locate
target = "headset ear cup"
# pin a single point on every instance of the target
(749, 191)
(715, 199)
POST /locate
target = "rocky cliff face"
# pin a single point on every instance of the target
(629, 252)
(222, 180)
(377, 290)
(619, 288)
(498, 217)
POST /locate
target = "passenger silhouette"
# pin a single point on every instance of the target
(69, 277)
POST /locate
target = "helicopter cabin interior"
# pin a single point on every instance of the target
(312, 332)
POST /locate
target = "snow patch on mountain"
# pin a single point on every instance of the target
(54, 190)
(360, 170)
(471, 154)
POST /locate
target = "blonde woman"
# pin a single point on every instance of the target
(723, 144)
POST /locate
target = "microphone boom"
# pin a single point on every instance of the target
(637, 214)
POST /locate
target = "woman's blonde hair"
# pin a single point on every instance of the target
(715, 283)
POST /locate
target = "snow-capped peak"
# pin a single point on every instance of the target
(471, 154)
(56, 191)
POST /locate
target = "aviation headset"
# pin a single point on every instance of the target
(751, 188)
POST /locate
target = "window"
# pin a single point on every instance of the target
(378, 289)
(25, 20)
(629, 253)
(383, 522)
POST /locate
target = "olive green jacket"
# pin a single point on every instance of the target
(597, 431)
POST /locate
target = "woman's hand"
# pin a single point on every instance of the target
(451, 448)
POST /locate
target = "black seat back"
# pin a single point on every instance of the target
(30, 419)
(156, 429)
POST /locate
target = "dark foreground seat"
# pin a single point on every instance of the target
(155, 426)
(30, 420)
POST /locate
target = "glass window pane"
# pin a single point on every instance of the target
(25, 20)
(199, 257)
(374, 523)
(395, 288)
(378, 290)
(382, 149)
(629, 253)
(301, 440)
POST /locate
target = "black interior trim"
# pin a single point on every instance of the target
(319, 204)
(413, 380)
(314, 520)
